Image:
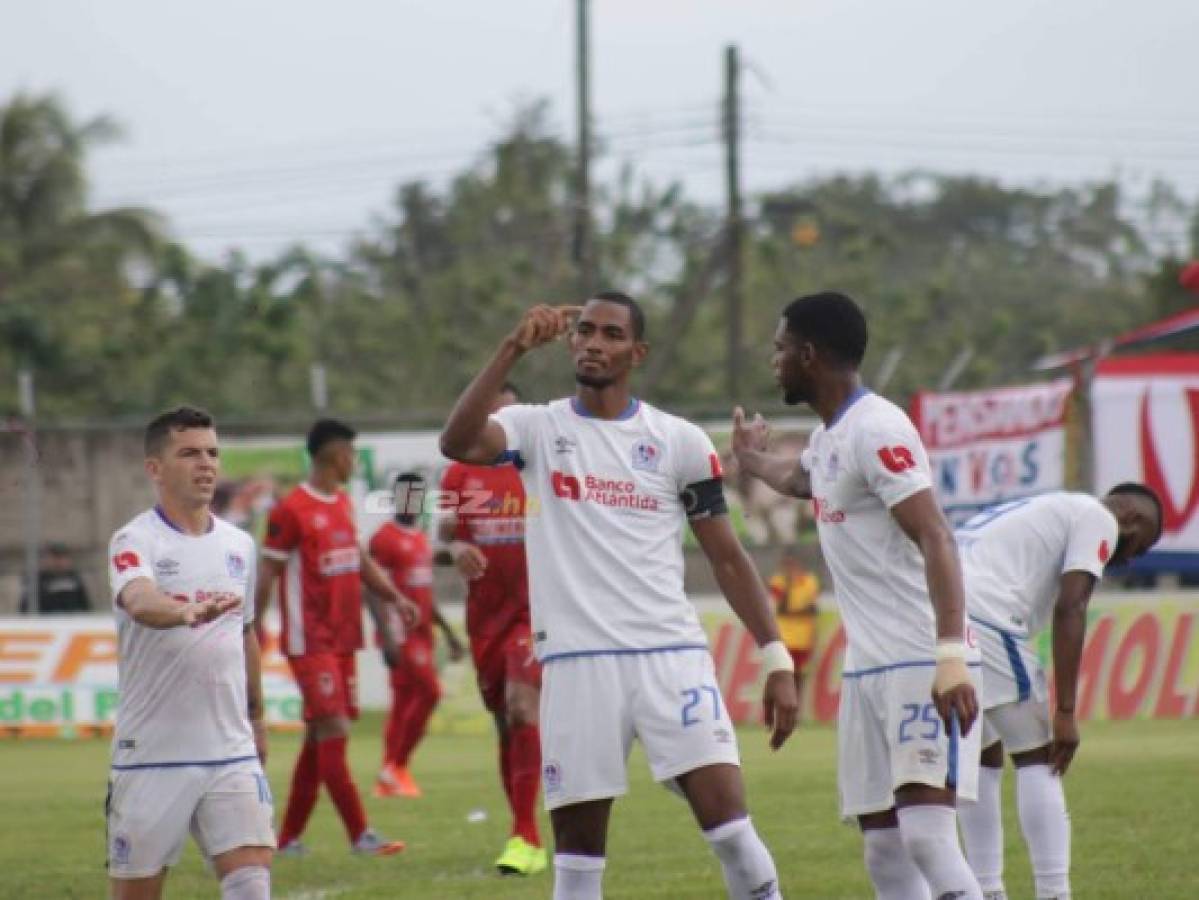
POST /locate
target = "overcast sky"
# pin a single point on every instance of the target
(260, 123)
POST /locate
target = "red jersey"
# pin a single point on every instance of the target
(407, 556)
(321, 591)
(489, 503)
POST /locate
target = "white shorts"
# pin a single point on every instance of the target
(150, 812)
(1021, 726)
(889, 734)
(1012, 672)
(593, 706)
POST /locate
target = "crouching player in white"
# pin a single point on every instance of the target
(189, 737)
(1027, 562)
(905, 756)
(610, 481)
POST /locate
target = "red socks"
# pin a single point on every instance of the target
(335, 775)
(305, 784)
(524, 777)
(410, 716)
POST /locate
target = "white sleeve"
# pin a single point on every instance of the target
(520, 422)
(892, 460)
(695, 457)
(1091, 540)
(129, 558)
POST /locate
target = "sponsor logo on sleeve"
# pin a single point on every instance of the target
(1105, 552)
(126, 559)
(897, 459)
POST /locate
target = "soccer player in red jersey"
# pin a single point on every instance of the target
(401, 548)
(311, 542)
(484, 538)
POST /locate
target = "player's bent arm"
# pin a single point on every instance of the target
(738, 579)
(781, 472)
(149, 606)
(922, 521)
(470, 435)
(1069, 633)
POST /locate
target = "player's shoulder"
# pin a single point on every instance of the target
(233, 535)
(870, 410)
(672, 424)
(139, 528)
(1083, 505)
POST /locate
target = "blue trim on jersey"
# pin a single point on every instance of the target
(993, 627)
(627, 413)
(171, 525)
(906, 664)
(1023, 682)
(951, 776)
(182, 765)
(857, 394)
(622, 651)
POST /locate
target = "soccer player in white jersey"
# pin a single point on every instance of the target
(1026, 563)
(904, 758)
(610, 481)
(189, 737)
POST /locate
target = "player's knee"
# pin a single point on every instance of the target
(247, 883)
(520, 713)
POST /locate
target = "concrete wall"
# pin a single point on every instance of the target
(91, 483)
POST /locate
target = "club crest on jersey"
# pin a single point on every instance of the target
(833, 466)
(647, 455)
(236, 564)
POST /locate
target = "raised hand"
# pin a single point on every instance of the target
(543, 324)
(749, 436)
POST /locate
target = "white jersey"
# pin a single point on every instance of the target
(865, 461)
(604, 525)
(183, 690)
(1014, 555)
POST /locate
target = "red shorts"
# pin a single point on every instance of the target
(801, 659)
(328, 683)
(416, 668)
(509, 658)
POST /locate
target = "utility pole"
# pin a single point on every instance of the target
(734, 226)
(584, 250)
(33, 491)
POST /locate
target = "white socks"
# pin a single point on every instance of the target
(247, 883)
(1041, 803)
(578, 877)
(930, 835)
(982, 830)
(892, 872)
(749, 872)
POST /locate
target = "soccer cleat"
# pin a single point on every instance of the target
(521, 858)
(370, 844)
(293, 849)
(404, 784)
(386, 784)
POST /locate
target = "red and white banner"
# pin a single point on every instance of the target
(989, 446)
(1145, 411)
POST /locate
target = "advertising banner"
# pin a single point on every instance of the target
(1141, 660)
(1145, 413)
(994, 445)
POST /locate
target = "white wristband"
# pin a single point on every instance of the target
(951, 650)
(776, 658)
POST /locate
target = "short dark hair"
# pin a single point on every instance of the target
(832, 322)
(1136, 489)
(326, 431)
(509, 388)
(636, 315)
(181, 418)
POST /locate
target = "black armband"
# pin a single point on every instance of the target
(704, 499)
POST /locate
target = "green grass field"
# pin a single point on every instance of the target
(1134, 800)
